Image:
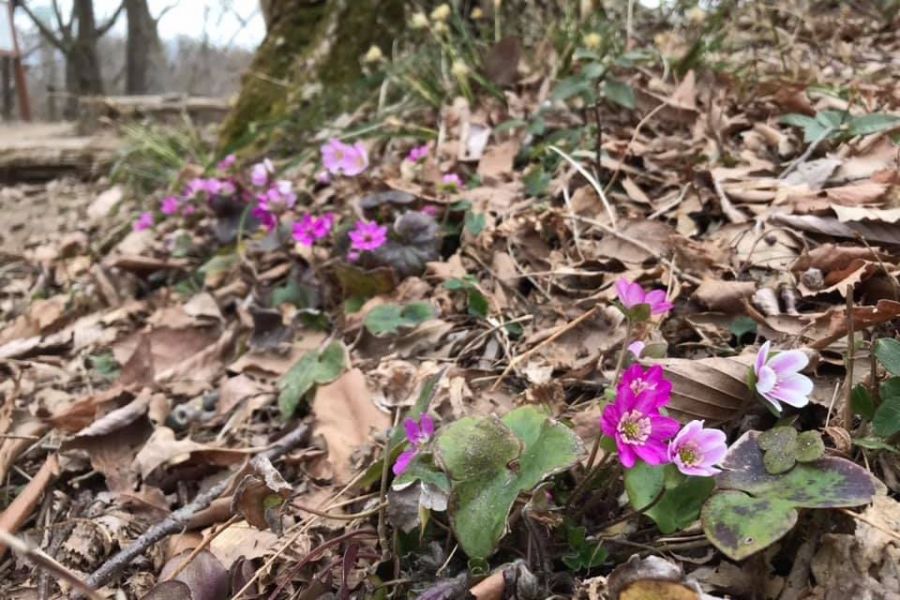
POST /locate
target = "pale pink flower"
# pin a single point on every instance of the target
(451, 182)
(339, 158)
(417, 434)
(431, 210)
(261, 171)
(778, 378)
(368, 236)
(226, 163)
(636, 348)
(632, 295)
(696, 451)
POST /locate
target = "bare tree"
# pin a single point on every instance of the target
(143, 51)
(77, 39)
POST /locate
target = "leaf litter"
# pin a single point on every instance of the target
(754, 181)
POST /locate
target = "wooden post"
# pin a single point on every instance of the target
(10, 49)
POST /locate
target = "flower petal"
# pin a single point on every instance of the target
(403, 461)
(766, 379)
(652, 452)
(794, 390)
(626, 455)
(663, 427)
(427, 425)
(412, 430)
(761, 357)
(791, 361)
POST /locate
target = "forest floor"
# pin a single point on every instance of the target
(204, 409)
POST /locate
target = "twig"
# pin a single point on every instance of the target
(177, 521)
(202, 545)
(870, 523)
(41, 559)
(594, 183)
(806, 154)
(20, 509)
(519, 358)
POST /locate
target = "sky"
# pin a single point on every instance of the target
(185, 17)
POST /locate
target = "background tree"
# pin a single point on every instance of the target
(76, 38)
(143, 51)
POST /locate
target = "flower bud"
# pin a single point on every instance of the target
(419, 21)
(459, 69)
(593, 40)
(441, 13)
(374, 55)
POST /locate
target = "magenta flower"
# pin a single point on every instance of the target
(169, 205)
(778, 378)
(266, 218)
(343, 159)
(228, 188)
(195, 186)
(431, 210)
(632, 295)
(279, 198)
(645, 386)
(368, 236)
(696, 451)
(418, 153)
(213, 187)
(418, 434)
(640, 432)
(226, 163)
(451, 182)
(310, 229)
(261, 171)
(143, 222)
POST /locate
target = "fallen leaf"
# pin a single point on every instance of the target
(725, 296)
(346, 417)
(204, 576)
(260, 494)
(712, 388)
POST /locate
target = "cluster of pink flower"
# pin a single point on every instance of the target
(339, 158)
(197, 189)
(641, 432)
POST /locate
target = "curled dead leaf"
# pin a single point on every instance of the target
(712, 388)
(260, 495)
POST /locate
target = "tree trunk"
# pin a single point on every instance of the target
(142, 49)
(306, 69)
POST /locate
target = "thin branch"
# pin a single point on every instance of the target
(111, 21)
(65, 28)
(45, 31)
(42, 560)
(177, 520)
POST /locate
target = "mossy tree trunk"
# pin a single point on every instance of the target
(306, 67)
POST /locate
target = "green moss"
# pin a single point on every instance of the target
(274, 108)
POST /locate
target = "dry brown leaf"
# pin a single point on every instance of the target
(497, 162)
(260, 494)
(242, 540)
(205, 576)
(871, 231)
(858, 213)
(725, 296)
(346, 417)
(713, 388)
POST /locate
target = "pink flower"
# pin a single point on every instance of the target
(343, 159)
(353, 256)
(228, 188)
(323, 177)
(267, 219)
(213, 187)
(194, 187)
(418, 153)
(143, 222)
(368, 236)
(226, 163)
(778, 378)
(696, 451)
(451, 182)
(169, 205)
(418, 434)
(431, 210)
(632, 295)
(278, 198)
(645, 386)
(261, 171)
(636, 348)
(640, 432)
(311, 229)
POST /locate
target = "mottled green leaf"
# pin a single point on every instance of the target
(873, 123)
(754, 508)
(680, 506)
(313, 368)
(810, 446)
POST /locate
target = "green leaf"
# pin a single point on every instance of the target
(584, 555)
(478, 304)
(861, 402)
(643, 484)
(388, 319)
(571, 86)
(680, 506)
(313, 368)
(810, 446)
(886, 421)
(813, 129)
(741, 326)
(619, 92)
(537, 182)
(887, 351)
(753, 508)
(106, 365)
(475, 222)
(874, 123)
(875, 443)
(491, 461)
(780, 447)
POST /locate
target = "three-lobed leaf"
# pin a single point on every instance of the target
(491, 461)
